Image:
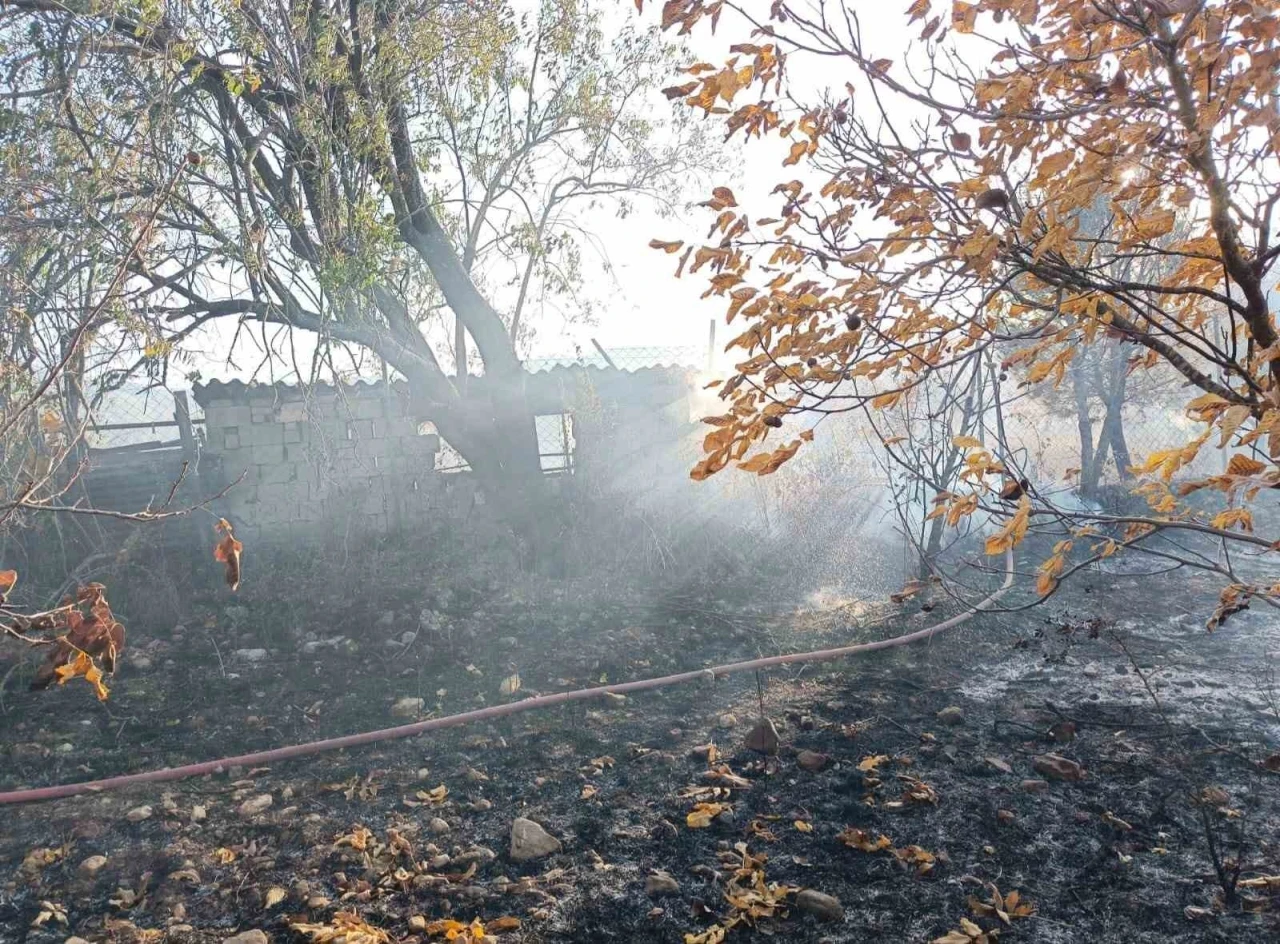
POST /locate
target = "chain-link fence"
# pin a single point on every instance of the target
(135, 415)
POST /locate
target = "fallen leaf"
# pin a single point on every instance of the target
(228, 551)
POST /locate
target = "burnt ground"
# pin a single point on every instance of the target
(1172, 728)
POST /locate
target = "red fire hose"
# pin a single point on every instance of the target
(495, 711)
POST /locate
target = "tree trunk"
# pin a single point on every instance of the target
(1088, 478)
(493, 429)
(1115, 407)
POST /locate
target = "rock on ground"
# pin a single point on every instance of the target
(530, 841)
(408, 707)
(822, 906)
(812, 761)
(763, 738)
(1057, 767)
(951, 715)
(660, 884)
(92, 865)
(256, 804)
(248, 937)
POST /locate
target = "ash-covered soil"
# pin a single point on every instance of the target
(1154, 819)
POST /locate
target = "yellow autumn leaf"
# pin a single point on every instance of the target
(1234, 518)
(1244, 465)
(798, 150)
(702, 814)
(885, 400)
(1014, 530)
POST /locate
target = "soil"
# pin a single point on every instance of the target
(1173, 728)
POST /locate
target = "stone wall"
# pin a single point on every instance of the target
(356, 460)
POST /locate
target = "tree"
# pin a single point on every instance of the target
(348, 176)
(935, 214)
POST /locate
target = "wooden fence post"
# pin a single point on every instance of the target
(182, 416)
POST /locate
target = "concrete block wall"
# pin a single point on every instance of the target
(355, 460)
(351, 460)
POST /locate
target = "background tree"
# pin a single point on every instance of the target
(352, 176)
(935, 212)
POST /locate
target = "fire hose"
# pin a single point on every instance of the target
(261, 758)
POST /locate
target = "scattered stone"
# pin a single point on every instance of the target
(255, 805)
(248, 937)
(821, 906)
(142, 663)
(91, 866)
(475, 776)
(812, 761)
(951, 715)
(614, 700)
(660, 884)
(763, 738)
(1122, 670)
(1035, 786)
(408, 637)
(1057, 767)
(75, 940)
(199, 813)
(728, 720)
(138, 814)
(998, 764)
(530, 841)
(66, 747)
(1089, 671)
(704, 872)
(252, 656)
(408, 707)
(1005, 817)
(438, 826)
(807, 723)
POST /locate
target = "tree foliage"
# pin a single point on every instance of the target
(1022, 179)
(357, 171)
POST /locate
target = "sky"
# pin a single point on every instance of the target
(638, 301)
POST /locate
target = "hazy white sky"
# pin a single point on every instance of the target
(640, 303)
